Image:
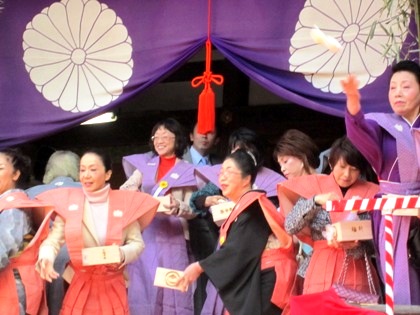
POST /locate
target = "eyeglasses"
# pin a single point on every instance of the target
(163, 138)
(228, 172)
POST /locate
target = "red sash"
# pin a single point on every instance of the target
(283, 258)
(271, 215)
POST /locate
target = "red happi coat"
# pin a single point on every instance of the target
(98, 289)
(25, 261)
(310, 185)
(320, 279)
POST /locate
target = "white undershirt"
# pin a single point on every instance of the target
(98, 203)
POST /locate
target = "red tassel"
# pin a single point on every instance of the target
(206, 118)
(206, 111)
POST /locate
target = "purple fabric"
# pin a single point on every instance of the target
(398, 128)
(132, 162)
(60, 181)
(165, 243)
(266, 179)
(385, 139)
(165, 247)
(55, 76)
(181, 175)
(209, 173)
(213, 304)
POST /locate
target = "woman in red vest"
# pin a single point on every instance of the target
(102, 229)
(255, 266)
(311, 194)
(21, 288)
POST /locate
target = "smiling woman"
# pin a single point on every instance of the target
(254, 268)
(391, 142)
(162, 172)
(91, 219)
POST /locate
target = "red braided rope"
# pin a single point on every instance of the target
(206, 103)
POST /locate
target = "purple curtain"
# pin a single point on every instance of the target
(64, 62)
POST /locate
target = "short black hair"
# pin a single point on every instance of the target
(409, 66)
(247, 139)
(21, 163)
(176, 128)
(103, 155)
(343, 148)
(246, 162)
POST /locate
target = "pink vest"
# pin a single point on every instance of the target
(91, 285)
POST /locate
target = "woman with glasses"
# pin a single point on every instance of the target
(162, 172)
(255, 266)
(205, 242)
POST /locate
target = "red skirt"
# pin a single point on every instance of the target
(96, 292)
(325, 303)
(326, 265)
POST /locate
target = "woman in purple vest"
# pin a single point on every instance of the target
(391, 143)
(162, 172)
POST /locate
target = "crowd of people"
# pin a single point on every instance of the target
(74, 245)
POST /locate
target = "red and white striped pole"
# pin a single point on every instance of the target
(387, 205)
(389, 265)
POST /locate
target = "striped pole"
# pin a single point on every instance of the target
(367, 204)
(388, 206)
(389, 265)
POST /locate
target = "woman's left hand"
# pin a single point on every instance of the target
(191, 273)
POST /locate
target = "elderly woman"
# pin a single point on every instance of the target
(205, 242)
(391, 142)
(255, 267)
(62, 170)
(162, 172)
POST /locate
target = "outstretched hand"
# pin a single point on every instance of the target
(46, 270)
(350, 88)
(191, 273)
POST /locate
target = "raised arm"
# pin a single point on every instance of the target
(350, 88)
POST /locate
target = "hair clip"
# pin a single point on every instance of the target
(252, 157)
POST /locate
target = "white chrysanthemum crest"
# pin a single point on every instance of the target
(349, 23)
(78, 54)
